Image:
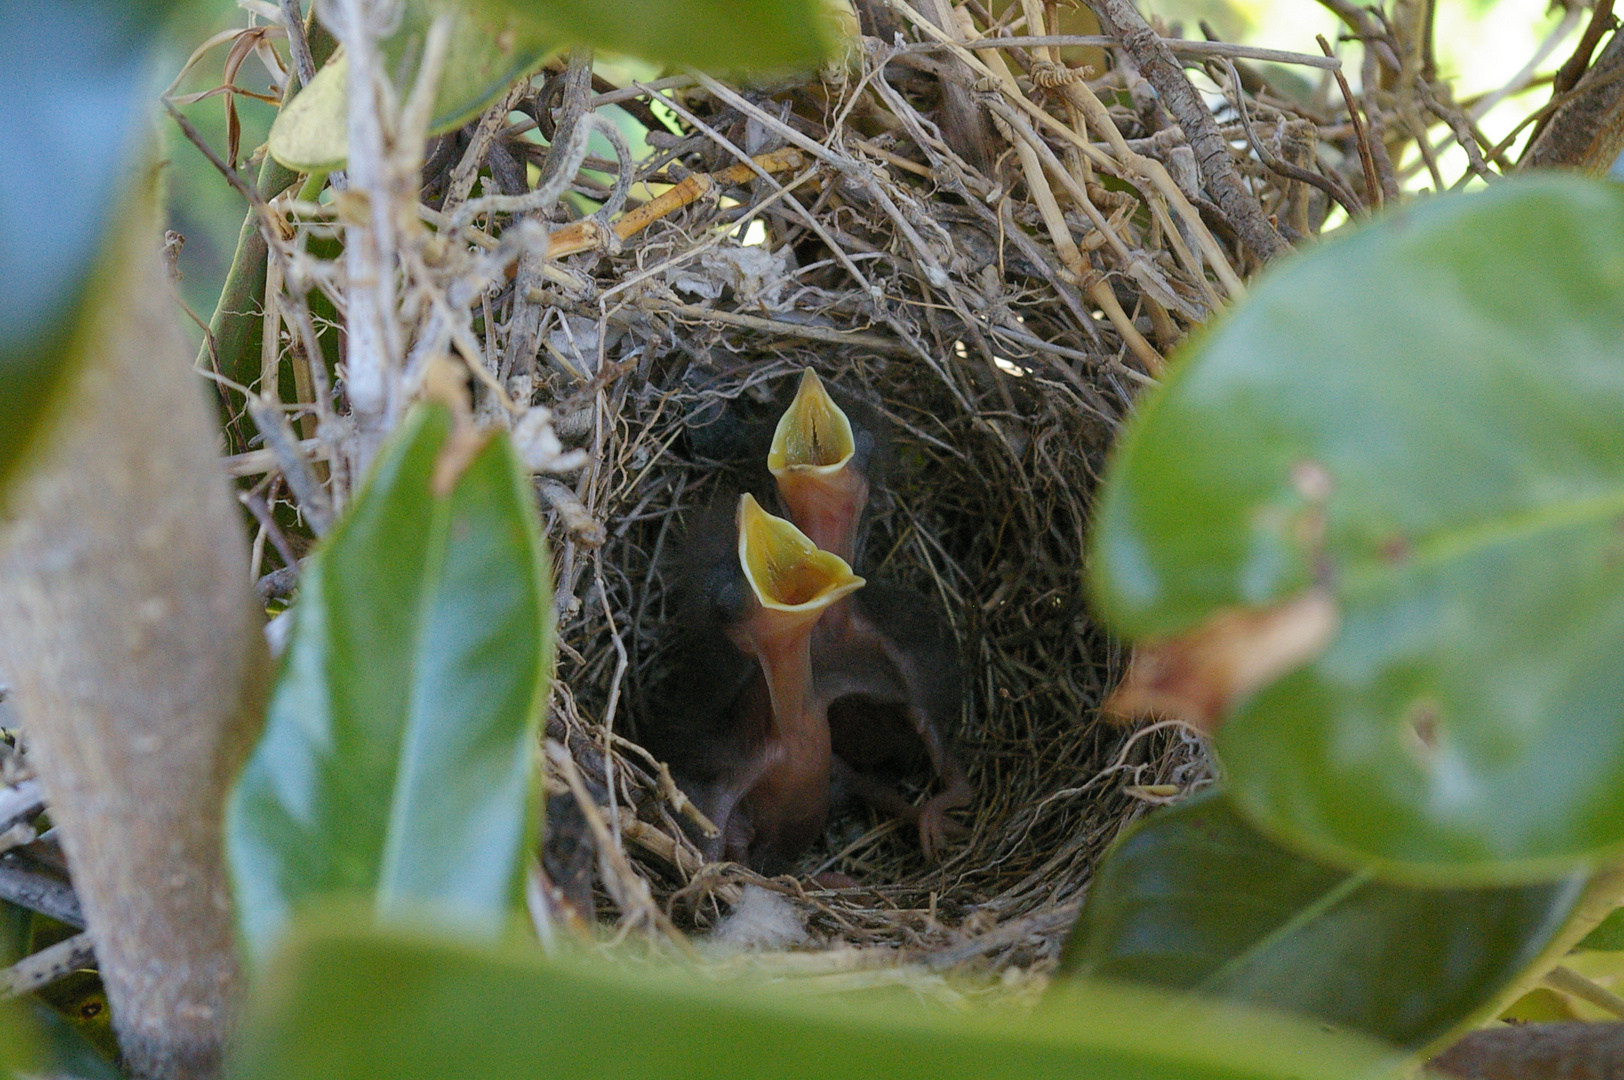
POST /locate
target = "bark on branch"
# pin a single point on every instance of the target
(1157, 64)
(135, 653)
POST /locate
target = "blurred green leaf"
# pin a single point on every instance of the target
(720, 35)
(80, 1002)
(343, 1003)
(397, 756)
(18, 1039)
(1608, 936)
(75, 93)
(16, 923)
(1194, 898)
(69, 1049)
(1422, 419)
(489, 48)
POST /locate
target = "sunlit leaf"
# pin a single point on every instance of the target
(396, 762)
(74, 94)
(1194, 898)
(489, 48)
(341, 1003)
(1422, 420)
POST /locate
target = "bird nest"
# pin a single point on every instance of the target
(987, 514)
(999, 295)
(991, 240)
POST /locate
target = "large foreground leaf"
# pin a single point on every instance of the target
(495, 41)
(489, 48)
(344, 1004)
(719, 35)
(74, 98)
(1423, 422)
(1194, 898)
(397, 756)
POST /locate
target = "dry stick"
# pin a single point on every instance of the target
(827, 334)
(1179, 46)
(1544, 112)
(931, 267)
(1082, 101)
(1333, 188)
(290, 458)
(1099, 289)
(467, 170)
(47, 966)
(298, 43)
(584, 235)
(631, 892)
(1460, 126)
(1100, 118)
(41, 893)
(1361, 137)
(1567, 76)
(875, 294)
(1030, 149)
(1521, 80)
(1569, 981)
(19, 801)
(1151, 55)
(569, 138)
(370, 243)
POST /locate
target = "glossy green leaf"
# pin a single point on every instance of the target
(489, 48)
(345, 1004)
(1194, 898)
(397, 759)
(75, 94)
(1423, 419)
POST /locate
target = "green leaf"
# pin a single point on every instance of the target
(493, 42)
(1194, 898)
(1608, 936)
(1424, 420)
(75, 92)
(343, 1003)
(489, 48)
(719, 35)
(397, 756)
(67, 1048)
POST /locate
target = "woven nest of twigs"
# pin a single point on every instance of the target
(993, 248)
(934, 289)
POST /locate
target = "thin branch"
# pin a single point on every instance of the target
(1151, 55)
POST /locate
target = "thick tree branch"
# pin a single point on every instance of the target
(135, 652)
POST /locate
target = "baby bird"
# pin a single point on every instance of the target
(746, 732)
(881, 658)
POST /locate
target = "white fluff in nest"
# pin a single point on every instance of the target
(760, 920)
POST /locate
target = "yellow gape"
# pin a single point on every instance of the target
(786, 571)
(814, 434)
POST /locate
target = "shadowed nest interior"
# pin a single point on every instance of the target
(986, 512)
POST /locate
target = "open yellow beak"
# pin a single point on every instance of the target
(787, 571)
(814, 434)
